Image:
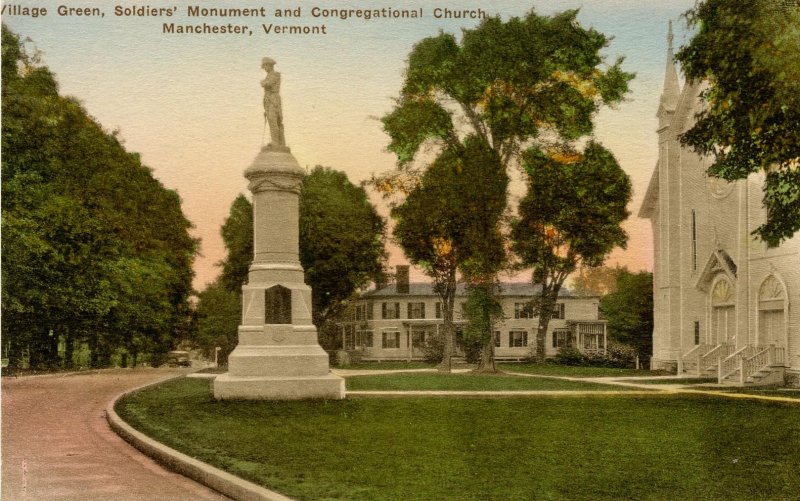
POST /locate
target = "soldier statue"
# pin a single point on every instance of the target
(273, 113)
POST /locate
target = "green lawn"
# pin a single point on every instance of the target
(589, 447)
(468, 382)
(547, 369)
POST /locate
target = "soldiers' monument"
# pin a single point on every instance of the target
(278, 356)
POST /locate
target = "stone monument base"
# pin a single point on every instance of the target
(227, 387)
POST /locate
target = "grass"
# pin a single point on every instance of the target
(770, 392)
(589, 447)
(390, 365)
(548, 369)
(468, 382)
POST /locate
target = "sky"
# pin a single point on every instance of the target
(191, 105)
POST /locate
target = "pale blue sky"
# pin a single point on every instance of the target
(191, 104)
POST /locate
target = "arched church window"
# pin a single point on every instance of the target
(723, 312)
(772, 312)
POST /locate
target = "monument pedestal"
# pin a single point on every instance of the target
(278, 356)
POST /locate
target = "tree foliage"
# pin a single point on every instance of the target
(596, 280)
(534, 82)
(219, 313)
(341, 240)
(570, 217)
(749, 53)
(535, 78)
(95, 250)
(629, 311)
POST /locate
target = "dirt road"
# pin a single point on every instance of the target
(56, 443)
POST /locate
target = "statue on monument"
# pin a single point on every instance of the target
(273, 113)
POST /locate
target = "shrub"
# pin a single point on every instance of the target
(570, 356)
(617, 356)
(620, 355)
(434, 348)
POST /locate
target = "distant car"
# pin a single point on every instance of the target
(178, 359)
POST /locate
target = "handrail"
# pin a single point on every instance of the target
(691, 359)
(723, 350)
(733, 362)
(767, 357)
(720, 351)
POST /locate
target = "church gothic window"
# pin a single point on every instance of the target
(771, 312)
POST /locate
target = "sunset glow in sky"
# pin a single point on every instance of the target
(191, 104)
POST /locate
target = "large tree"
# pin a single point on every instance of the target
(95, 250)
(449, 223)
(629, 311)
(748, 51)
(531, 82)
(341, 250)
(596, 280)
(570, 217)
(342, 240)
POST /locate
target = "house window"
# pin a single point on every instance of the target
(416, 310)
(438, 310)
(694, 241)
(517, 339)
(361, 312)
(561, 338)
(366, 338)
(558, 311)
(523, 310)
(696, 332)
(391, 339)
(497, 339)
(349, 338)
(390, 310)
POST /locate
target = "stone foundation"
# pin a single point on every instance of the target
(792, 379)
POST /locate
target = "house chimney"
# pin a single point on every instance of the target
(401, 279)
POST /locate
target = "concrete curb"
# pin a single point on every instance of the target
(214, 478)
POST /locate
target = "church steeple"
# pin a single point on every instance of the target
(672, 90)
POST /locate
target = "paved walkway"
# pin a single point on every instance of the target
(630, 382)
(57, 444)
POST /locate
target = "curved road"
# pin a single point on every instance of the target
(56, 443)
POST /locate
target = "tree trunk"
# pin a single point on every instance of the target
(69, 349)
(547, 302)
(448, 303)
(541, 337)
(487, 351)
(447, 349)
(487, 357)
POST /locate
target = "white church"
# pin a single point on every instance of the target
(726, 304)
